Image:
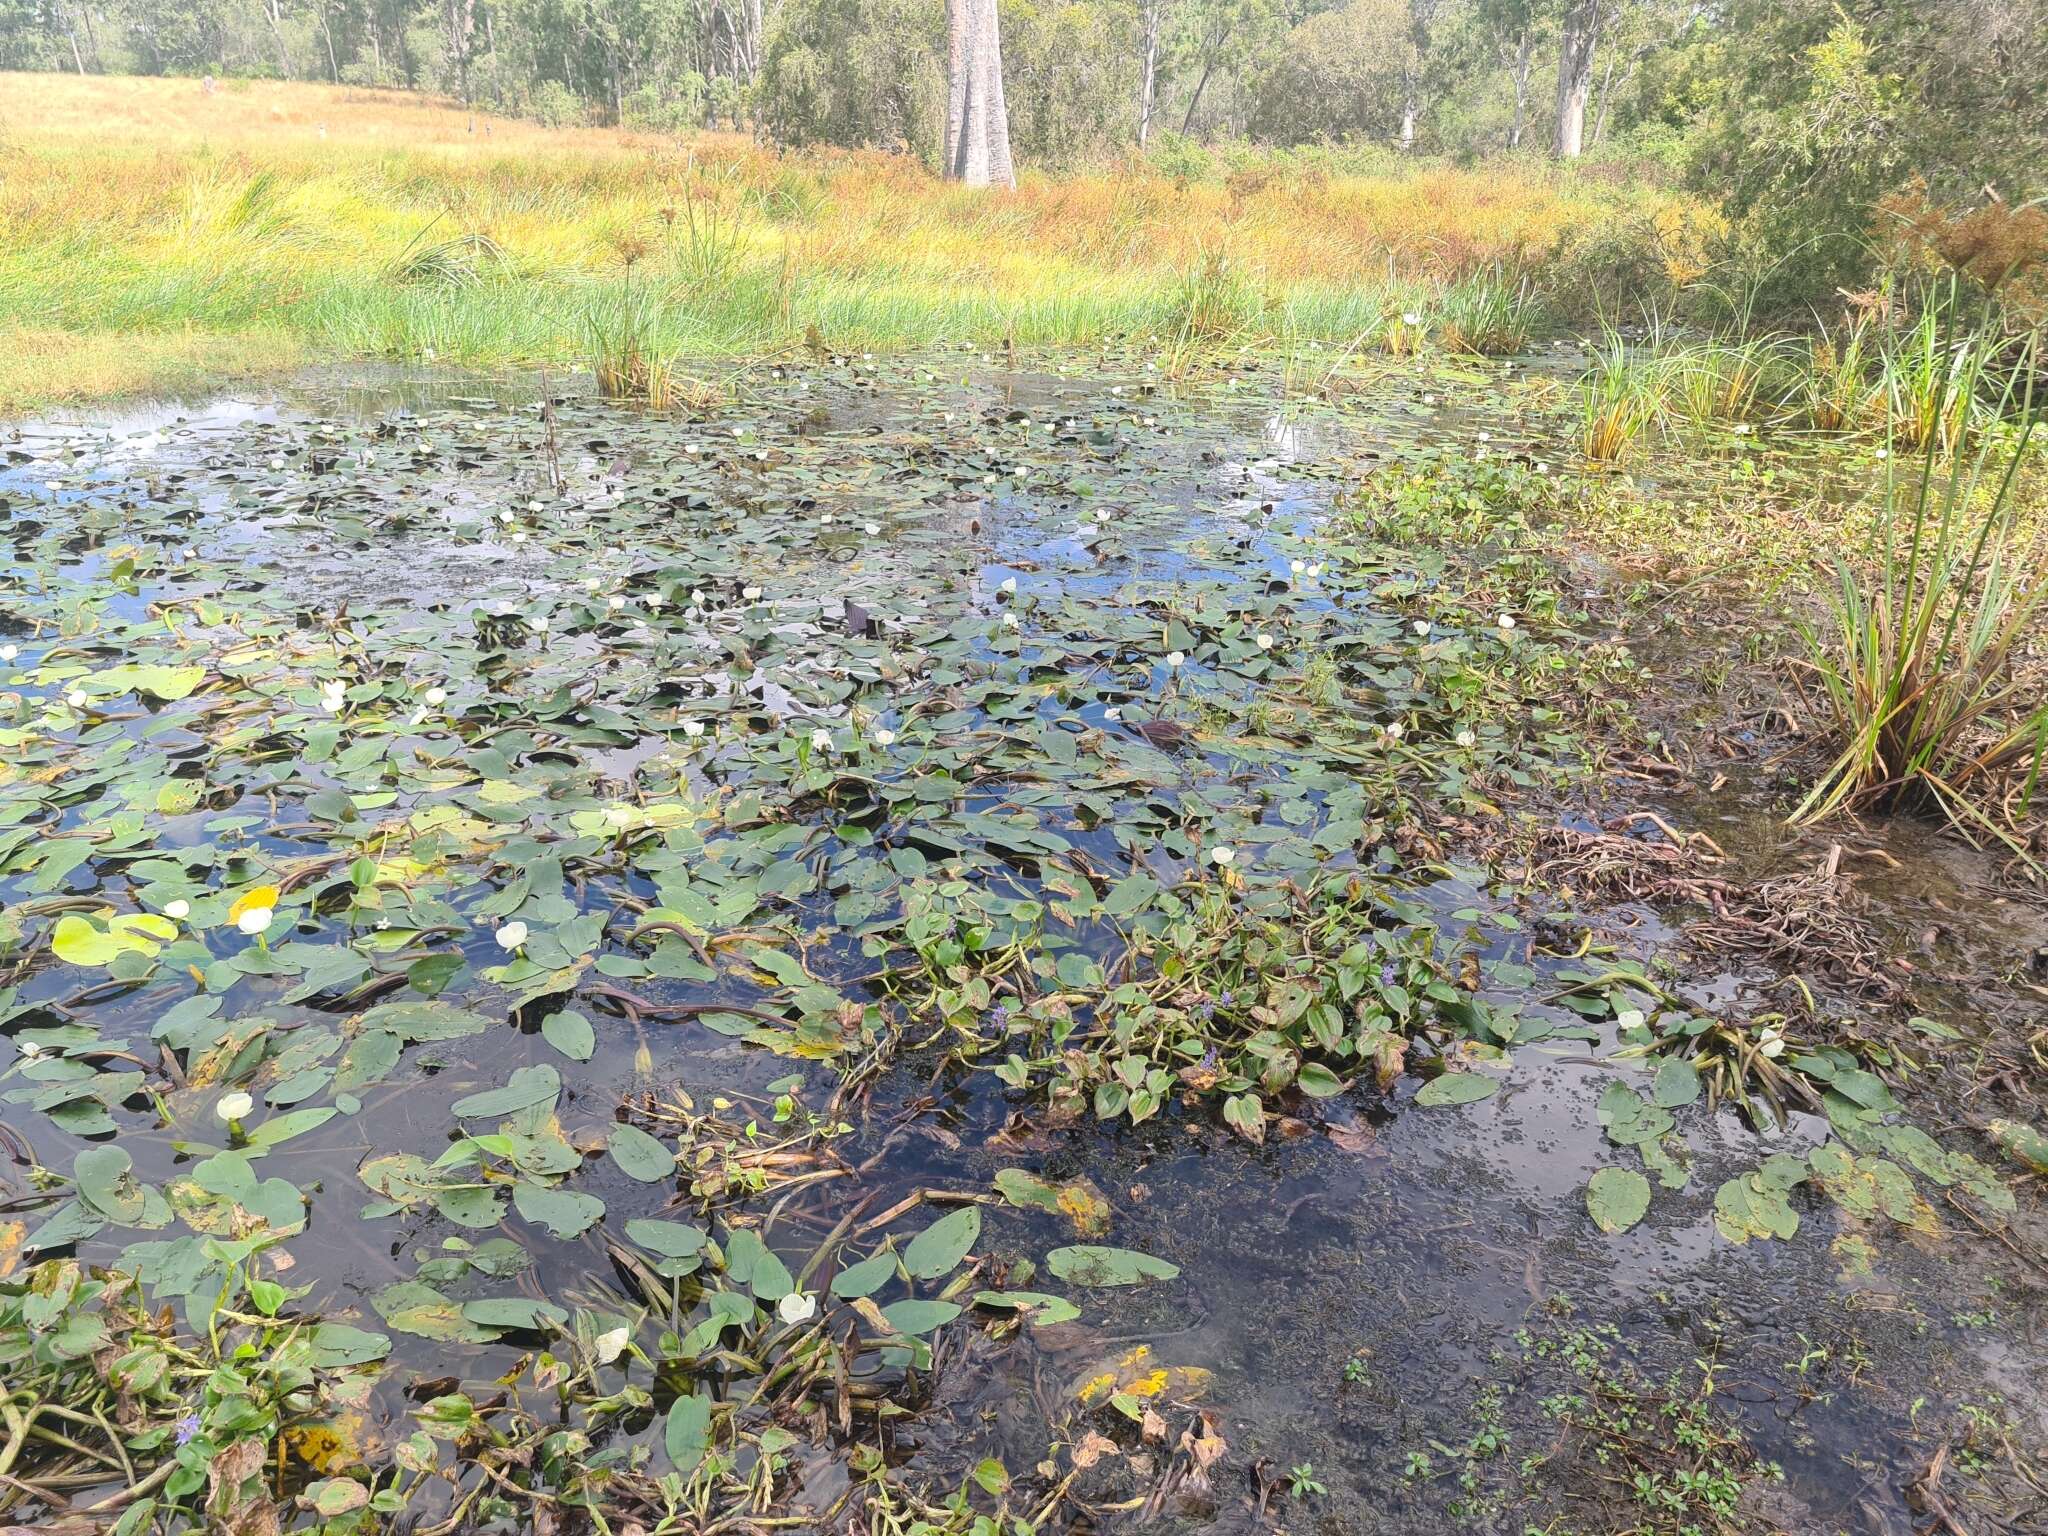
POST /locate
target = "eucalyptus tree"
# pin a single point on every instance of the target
(977, 149)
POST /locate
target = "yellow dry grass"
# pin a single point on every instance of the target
(382, 223)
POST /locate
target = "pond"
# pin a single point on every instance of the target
(954, 943)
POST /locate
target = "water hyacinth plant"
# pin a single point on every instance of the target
(1919, 668)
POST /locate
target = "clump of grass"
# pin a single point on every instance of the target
(1621, 393)
(455, 262)
(1918, 669)
(1211, 303)
(1930, 386)
(620, 330)
(1831, 384)
(1404, 331)
(1488, 315)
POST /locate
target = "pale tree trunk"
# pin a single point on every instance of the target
(1575, 77)
(977, 119)
(275, 11)
(71, 28)
(1523, 51)
(1606, 98)
(1421, 16)
(1148, 90)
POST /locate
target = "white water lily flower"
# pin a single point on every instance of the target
(1771, 1041)
(256, 920)
(511, 936)
(871, 528)
(9, 652)
(1422, 626)
(541, 623)
(654, 600)
(751, 594)
(796, 1307)
(333, 695)
(1222, 855)
(1102, 514)
(232, 1106)
(1114, 712)
(505, 517)
(533, 506)
(1009, 584)
(882, 738)
(1009, 621)
(821, 740)
(610, 1345)
(1467, 739)
(177, 911)
(519, 536)
(1265, 642)
(1393, 731)
(1297, 566)
(1410, 317)
(1314, 571)
(693, 728)
(592, 584)
(1486, 437)
(1506, 621)
(77, 698)
(615, 602)
(29, 1049)
(436, 697)
(1884, 453)
(277, 463)
(1175, 658)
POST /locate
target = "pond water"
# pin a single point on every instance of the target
(790, 885)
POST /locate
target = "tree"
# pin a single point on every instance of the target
(1343, 74)
(1581, 35)
(977, 121)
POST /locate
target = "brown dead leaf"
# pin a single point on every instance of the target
(1357, 1139)
(1152, 1427)
(1093, 1447)
(12, 1235)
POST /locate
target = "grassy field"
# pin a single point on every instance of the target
(157, 231)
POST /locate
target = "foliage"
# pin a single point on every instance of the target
(1922, 669)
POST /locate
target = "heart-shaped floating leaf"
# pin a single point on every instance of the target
(258, 898)
(527, 1087)
(914, 1318)
(519, 1313)
(1041, 1309)
(940, 1247)
(107, 1184)
(78, 940)
(679, 1247)
(1456, 1088)
(641, 1156)
(570, 1033)
(866, 1277)
(687, 1432)
(564, 1212)
(1092, 1264)
(1616, 1199)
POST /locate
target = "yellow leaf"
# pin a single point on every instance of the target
(255, 898)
